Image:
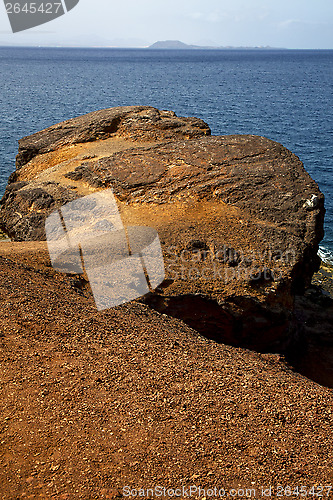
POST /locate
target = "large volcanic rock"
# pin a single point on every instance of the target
(239, 218)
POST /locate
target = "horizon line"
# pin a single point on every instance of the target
(207, 49)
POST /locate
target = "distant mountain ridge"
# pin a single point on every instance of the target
(177, 44)
(172, 44)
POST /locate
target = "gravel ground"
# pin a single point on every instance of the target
(93, 402)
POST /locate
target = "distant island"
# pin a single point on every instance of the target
(178, 45)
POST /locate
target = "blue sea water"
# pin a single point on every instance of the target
(284, 95)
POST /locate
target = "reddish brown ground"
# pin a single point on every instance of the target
(92, 402)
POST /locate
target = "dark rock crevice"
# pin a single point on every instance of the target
(240, 321)
(303, 336)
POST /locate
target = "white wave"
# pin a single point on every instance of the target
(326, 255)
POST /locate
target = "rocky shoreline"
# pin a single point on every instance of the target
(324, 278)
(238, 217)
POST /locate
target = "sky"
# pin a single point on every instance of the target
(297, 24)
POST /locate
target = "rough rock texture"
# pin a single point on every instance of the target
(29, 198)
(238, 216)
(135, 122)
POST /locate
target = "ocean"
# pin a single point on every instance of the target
(284, 95)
